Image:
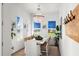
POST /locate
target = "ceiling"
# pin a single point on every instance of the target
(44, 7)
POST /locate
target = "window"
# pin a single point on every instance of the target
(37, 25)
(51, 24)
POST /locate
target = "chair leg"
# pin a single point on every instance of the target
(44, 48)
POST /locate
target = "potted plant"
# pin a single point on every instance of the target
(57, 33)
(12, 30)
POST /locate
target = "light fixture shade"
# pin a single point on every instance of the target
(38, 12)
(38, 9)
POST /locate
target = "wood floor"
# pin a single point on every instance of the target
(52, 51)
(19, 53)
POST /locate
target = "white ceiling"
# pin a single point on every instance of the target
(45, 7)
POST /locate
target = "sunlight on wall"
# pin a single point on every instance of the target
(19, 28)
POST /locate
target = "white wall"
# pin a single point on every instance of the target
(54, 16)
(0, 31)
(9, 14)
(28, 22)
(6, 31)
(68, 47)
